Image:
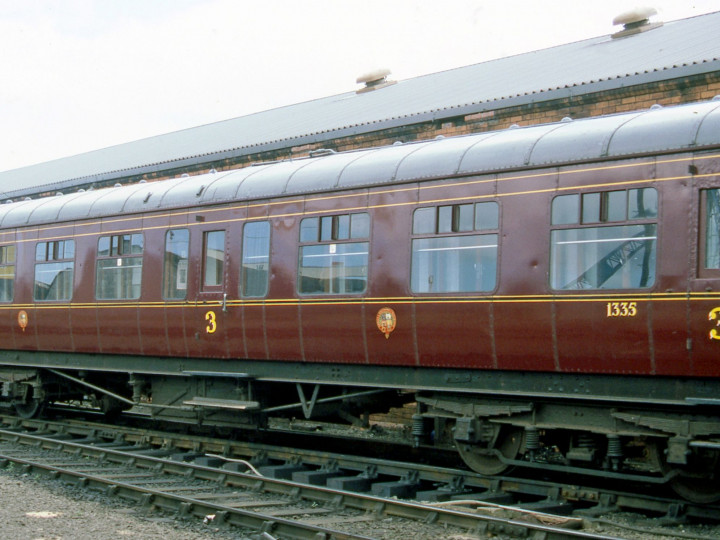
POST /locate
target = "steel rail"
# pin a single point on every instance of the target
(602, 500)
(258, 521)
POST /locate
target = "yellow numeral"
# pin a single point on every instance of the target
(212, 322)
(621, 309)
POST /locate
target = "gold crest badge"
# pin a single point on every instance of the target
(386, 321)
(22, 319)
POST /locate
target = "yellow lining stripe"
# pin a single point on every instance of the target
(289, 302)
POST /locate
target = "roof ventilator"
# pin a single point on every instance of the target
(635, 21)
(321, 152)
(374, 80)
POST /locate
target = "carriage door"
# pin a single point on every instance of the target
(705, 294)
(211, 307)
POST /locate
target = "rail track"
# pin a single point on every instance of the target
(283, 492)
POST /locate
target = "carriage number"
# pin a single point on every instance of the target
(621, 309)
(212, 322)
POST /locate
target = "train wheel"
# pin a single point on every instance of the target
(30, 408)
(699, 482)
(484, 460)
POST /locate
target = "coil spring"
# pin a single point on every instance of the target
(532, 438)
(418, 425)
(614, 446)
(585, 441)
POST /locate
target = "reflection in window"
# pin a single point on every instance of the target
(175, 264)
(712, 229)
(454, 263)
(214, 258)
(605, 207)
(443, 262)
(618, 257)
(54, 267)
(330, 263)
(119, 267)
(340, 227)
(333, 268)
(255, 259)
(604, 257)
(7, 273)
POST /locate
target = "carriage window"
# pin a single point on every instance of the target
(255, 259)
(175, 264)
(710, 233)
(330, 262)
(443, 262)
(617, 256)
(214, 261)
(7, 273)
(119, 267)
(54, 267)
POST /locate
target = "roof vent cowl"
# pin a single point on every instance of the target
(374, 80)
(635, 21)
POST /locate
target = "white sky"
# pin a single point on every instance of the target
(78, 75)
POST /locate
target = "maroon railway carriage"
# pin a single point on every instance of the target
(549, 296)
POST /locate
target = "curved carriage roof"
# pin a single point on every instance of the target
(676, 49)
(680, 128)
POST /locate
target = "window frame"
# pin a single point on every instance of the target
(446, 225)
(245, 266)
(220, 266)
(703, 271)
(52, 256)
(116, 251)
(6, 263)
(333, 234)
(604, 219)
(173, 268)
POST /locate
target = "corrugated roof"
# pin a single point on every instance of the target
(675, 49)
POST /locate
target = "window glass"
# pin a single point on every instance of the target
(465, 218)
(610, 257)
(445, 219)
(175, 264)
(642, 203)
(342, 227)
(309, 230)
(359, 226)
(712, 229)
(7, 273)
(487, 216)
(104, 246)
(54, 270)
(331, 264)
(118, 273)
(565, 209)
(590, 208)
(326, 228)
(214, 258)
(460, 263)
(424, 220)
(616, 206)
(333, 268)
(617, 257)
(454, 263)
(255, 259)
